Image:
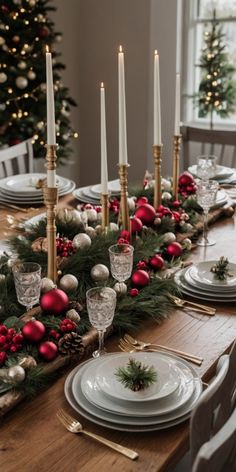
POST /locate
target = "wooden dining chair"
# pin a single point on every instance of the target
(16, 159)
(199, 141)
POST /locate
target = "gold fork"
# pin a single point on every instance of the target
(74, 426)
(142, 346)
(194, 306)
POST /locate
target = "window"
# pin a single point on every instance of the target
(198, 19)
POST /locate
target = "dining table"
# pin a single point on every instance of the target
(32, 438)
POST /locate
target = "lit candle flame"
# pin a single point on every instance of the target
(102, 84)
(120, 49)
(156, 52)
(47, 48)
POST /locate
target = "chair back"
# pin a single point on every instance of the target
(16, 159)
(210, 141)
(215, 405)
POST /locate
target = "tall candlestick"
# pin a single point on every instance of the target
(123, 159)
(104, 179)
(156, 103)
(177, 105)
(51, 135)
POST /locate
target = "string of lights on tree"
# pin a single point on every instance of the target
(217, 89)
(25, 30)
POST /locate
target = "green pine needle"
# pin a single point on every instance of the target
(136, 376)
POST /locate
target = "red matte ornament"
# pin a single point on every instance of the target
(140, 278)
(146, 213)
(157, 262)
(174, 249)
(136, 224)
(33, 331)
(48, 350)
(55, 301)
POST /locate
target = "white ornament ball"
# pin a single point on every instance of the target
(16, 373)
(165, 185)
(157, 221)
(99, 217)
(91, 232)
(99, 273)
(92, 215)
(98, 229)
(120, 288)
(131, 203)
(3, 77)
(187, 244)
(169, 238)
(2, 107)
(114, 227)
(21, 82)
(84, 218)
(82, 241)
(22, 65)
(31, 75)
(188, 227)
(166, 196)
(46, 285)
(73, 315)
(68, 283)
(2, 40)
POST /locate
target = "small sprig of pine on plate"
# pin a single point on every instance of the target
(136, 376)
(221, 269)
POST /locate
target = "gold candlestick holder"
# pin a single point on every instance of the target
(50, 200)
(176, 156)
(105, 211)
(124, 209)
(157, 150)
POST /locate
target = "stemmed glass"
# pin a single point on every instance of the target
(206, 167)
(121, 261)
(27, 278)
(101, 304)
(206, 198)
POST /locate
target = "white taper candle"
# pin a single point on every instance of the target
(123, 159)
(104, 179)
(156, 103)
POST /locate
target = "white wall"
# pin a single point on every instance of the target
(92, 31)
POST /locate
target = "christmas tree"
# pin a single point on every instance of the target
(25, 30)
(217, 89)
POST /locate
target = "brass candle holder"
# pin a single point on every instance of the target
(157, 150)
(50, 200)
(105, 211)
(124, 209)
(176, 156)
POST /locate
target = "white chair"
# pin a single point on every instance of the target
(211, 419)
(16, 159)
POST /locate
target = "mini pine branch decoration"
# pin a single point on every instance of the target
(136, 376)
(221, 269)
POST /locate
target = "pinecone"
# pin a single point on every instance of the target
(71, 343)
(76, 305)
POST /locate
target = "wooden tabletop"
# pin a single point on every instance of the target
(33, 440)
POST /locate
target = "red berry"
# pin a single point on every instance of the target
(3, 339)
(18, 338)
(133, 292)
(141, 265)
(11, 331)
(3, 329)
(125, 234)
(13, 348)
(3, 358)
(5, 346)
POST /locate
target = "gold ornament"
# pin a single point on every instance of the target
(120, 288)
(99, 273)
(68, 283)
(73, 315)
(40, 245)
(91, 232)
(169, 238)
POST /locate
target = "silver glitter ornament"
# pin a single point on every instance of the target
(91, 232)
(82, 241)
(68, 283)
(16, 373)
(46, 285)
(99, 273)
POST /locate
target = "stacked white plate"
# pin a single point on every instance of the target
(222, 172)
(93, 390)
(21, 188)
(92, 193)
(199, 282)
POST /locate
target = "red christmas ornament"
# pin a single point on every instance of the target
(140, 278)
(125, 234)
(33, 331)
(185, 179)
(133, 292)
(48, 350)
(157, 262)
(146, 213)
(141, 201)
(174, 249)
(55, 301)
(136, 225)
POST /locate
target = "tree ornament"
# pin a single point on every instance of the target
(82, 241)
(120, 288)
(3, 77)
(99, 273)
(136, 224)
(48, 350)
(141, 201)
(91, 232)
(70, 343)
(146, 213)
(98, 229)
(185, 179)
(140, 278)
(16, 374)
(166, 196)
(157, 221)
(165, 185)
(157, 262)
(16, 39)
(47, 284)
(68, 283)
(169, 238)
(69, 216)
(54, 302)
(187, 244)
(73, 315)
(131, 203)
(174, 249)
(33, 331)
(22, 65)
(91, 215)
(21, 82)
(31, 75)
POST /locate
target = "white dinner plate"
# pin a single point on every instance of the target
(88, 413)
(168, 378)
(78, 193)
(211, 289)
(112, 420)
(24, 184)
(113, 187)
(222, 172)
(199, 293)
(201, 273)
(27, 200)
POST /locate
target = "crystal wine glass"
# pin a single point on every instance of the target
(206, 167)
(27, 278)
(101, 303)
(206, 198)
(121, 261)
